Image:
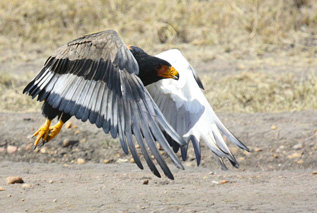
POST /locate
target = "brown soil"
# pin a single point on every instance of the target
(277, 175)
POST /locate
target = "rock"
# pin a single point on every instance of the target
(159, 147)
(26, 186)
(223, 182)
(294, 155)
(146, 182)
(106, 161)
(43, 150)
(68, 125)
(66, 142)
(298, 146)
(121, 160)
(132, 160)
(258, 149)
(54, 201)
(12, 149)
(28, 147)
(273, 127)
(22, 199)
(81, 161)
(76, 132)
(314, 172)
(51, 181)
(13, 180)
(1, 189)
(275, 155)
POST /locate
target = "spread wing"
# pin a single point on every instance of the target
(95, 78)
(188, 111)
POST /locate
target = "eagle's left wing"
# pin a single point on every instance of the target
(187, 110)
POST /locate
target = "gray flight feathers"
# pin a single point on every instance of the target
(95, 78)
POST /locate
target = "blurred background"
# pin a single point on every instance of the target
(253, 56)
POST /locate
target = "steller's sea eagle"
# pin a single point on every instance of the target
(127, 92)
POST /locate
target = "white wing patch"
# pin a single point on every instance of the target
(188, 111)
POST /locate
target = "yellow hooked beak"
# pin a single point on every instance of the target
(168, 72)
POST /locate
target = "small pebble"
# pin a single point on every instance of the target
(68, 125)
(137, 146)
(12, 149)
(258, 150)
(106, 161)
(44, 149)
(273, 127)
(26, 186)
(298, 146)
(66, 142)
(121, 160)
(146, 182)
(76, 132)
(22, 199)
(54, 200)
(275, 155)
(1, 189)
(294, 155)
(51, 181)
(159, 147)
(81, 161)
(314, 172)
(13, 180)
(29, 147)
(223, 182)
(132, 160)
(9, 195)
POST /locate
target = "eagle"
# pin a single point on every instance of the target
(131, 95)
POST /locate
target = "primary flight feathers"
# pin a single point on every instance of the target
(98, 78)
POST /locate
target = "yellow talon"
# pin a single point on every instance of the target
(54, 130)
(42, 132)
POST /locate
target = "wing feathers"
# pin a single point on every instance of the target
(94, 78)
(188, 111)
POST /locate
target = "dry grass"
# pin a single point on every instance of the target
(244, 30)
(260, 92)
(248, 27)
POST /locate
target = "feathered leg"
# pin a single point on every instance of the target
(45, 132)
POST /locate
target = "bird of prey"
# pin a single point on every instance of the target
(126, 92)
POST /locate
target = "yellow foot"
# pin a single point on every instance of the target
(54, 130)
(42, 133)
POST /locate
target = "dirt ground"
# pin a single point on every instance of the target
(277, 175)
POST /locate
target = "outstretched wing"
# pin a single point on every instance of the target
(95, 78)
(188, 111)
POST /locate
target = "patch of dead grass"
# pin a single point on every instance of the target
(261, 92)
